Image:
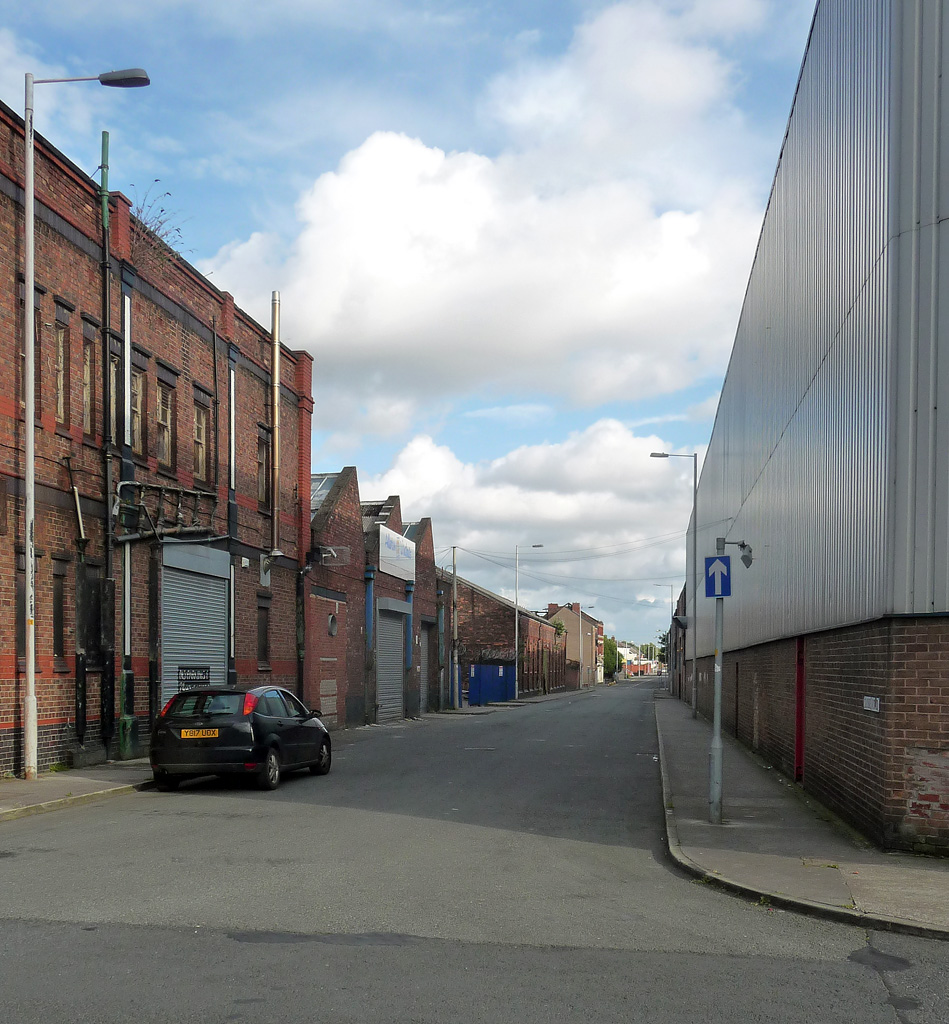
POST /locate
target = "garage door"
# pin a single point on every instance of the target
(425, 661)
(390, 659)
(193, 629)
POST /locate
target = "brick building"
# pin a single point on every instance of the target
(584, 644)
(169, 529)
(335, 597)
(486, 637)
(428, 659)
(372, 607)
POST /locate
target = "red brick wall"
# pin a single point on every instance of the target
(886, 771)
(425, 607)
(486, 634)
(67, 268)
(338, 525)
(916, 715)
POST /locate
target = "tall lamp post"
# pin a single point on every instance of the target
(580, 616)
(130, 78)
(517, 619)
(672, 612)
(695, 562)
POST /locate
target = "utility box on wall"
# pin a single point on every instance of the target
(490, 684)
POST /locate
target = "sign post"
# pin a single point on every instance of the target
(718, 584)
(718, 579)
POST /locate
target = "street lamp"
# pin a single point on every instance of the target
(695, 562)
(672, 611)
(517, 618)
(580, 615)
(130, 78)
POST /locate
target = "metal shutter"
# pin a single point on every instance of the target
(390, 659)
(424, 663)
(193, 626)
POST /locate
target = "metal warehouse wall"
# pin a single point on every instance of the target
(798, 461)
(919, 563)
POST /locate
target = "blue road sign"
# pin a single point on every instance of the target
(718, 576)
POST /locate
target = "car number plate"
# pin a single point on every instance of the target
(199, 734)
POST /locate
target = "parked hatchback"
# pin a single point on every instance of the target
(218, 731)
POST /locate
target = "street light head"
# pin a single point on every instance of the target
(130, 78)
(537, 545)
(746, 557)
(659, 455)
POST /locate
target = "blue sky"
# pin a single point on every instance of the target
(514, 235)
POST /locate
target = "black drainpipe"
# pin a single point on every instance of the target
(107, 684)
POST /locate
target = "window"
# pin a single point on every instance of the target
(199, 705)
(137, 410)
(61, 371)
(60, 566)
(295, 706)
(20, 609)
(91, 626)
(263, 630)
(21, 612)
(200, 442)
(88, 377)
(165, 417)
(273, 705)
(263, 467)
(37, 363)
(37, 347)
(115, 375)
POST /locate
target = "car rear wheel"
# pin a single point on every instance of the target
(324, 761)
(270, 776)
(166, 783)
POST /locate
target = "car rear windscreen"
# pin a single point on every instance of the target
(194, 705)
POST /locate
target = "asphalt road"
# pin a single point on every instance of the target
(499, 868)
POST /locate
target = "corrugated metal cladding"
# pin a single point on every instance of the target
(425, 662)
(193, 630)
(390, 664)
(799, 459)
(920, 262)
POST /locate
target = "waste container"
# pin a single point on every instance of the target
(490, 684)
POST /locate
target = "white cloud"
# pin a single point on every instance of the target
(650, 421)
(252, 19)
(610, 240)
(61, 111)
(512, 414)
(595, 500)
(705, 410)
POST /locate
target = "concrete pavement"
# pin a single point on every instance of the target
(781, 846)
(56, 789)
(776, 845)
(52, 790)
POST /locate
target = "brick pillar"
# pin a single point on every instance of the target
(120, 226)
(227, 317)
(303, 383)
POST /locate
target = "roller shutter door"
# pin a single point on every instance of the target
(193, 628)
(425, 665)
(390, 659)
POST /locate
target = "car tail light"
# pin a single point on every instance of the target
(164, 710)
(250, 702)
